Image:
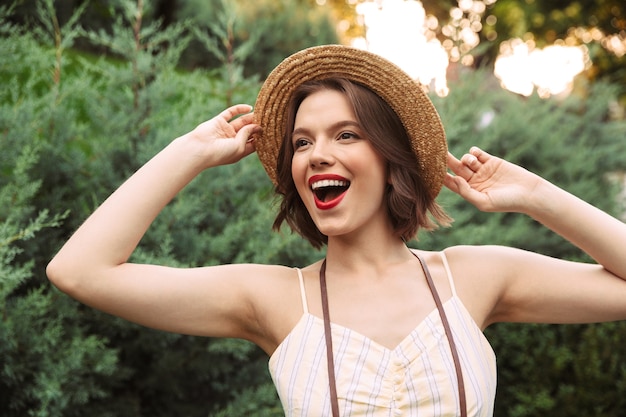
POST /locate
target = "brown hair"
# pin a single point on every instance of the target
(407, 198)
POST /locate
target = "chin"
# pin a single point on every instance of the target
(333, 231)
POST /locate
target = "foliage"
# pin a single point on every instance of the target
(553, 20)
(565, 20)
(50, 366)
(274, 28)
(476, 29)
(74, 126)
(264, 31)
(284, 26)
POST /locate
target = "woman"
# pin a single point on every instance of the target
(358, 153)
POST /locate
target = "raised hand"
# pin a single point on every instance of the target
(226, 138)
(490, 183)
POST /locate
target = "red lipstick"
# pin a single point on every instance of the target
(323, 181)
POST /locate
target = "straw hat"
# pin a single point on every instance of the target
(394, 86)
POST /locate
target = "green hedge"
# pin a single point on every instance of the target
(74, 126)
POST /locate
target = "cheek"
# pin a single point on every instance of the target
(296, 169)
(298, 173)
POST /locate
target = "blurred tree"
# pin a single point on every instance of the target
(601, 25)
(267, 30)
(349, 24)
(263, 23)
(472, 31)
(96, 120)
(51, 366)
(74, 126)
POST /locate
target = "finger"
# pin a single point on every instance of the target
(250, 145)
(470, 161)
(242, 121)
(245, 134)
(459, 167)
(449, 182)
(453, 163)
(481, 155)
(235, 110)
(457, 184)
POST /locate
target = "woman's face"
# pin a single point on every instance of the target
(339, 176)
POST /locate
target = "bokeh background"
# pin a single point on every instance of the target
(90, 90)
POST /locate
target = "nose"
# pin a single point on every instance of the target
(321, 154)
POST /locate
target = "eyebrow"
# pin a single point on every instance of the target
(334, 126)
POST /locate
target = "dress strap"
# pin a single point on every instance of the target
(448, 331)
(305, 305)
(448, 272)
(332, 385)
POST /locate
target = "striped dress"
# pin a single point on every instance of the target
(416, 378)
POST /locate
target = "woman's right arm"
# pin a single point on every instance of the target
(93, 266)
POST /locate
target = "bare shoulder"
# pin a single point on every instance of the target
(256, 272)
(474, 250)
(473, 261)
(263, 284)
(470, 264)
(267, 282)
(480, 275)
(276, 302)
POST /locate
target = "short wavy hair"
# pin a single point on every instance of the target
(407, 198)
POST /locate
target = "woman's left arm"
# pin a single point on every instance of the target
(495, 185)
(537, 288)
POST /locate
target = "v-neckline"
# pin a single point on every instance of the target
(408, 338)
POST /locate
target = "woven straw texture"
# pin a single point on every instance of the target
(393, 85)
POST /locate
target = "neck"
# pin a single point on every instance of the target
(366, 253)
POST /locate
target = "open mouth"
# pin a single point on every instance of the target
(328, 190)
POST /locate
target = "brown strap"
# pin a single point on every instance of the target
(446, 326)
(444, 320)
(329, 342)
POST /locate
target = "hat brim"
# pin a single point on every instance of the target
(404, 95)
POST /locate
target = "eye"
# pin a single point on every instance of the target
(348, 135)
(299, 143)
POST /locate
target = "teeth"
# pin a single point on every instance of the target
(328, 183)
